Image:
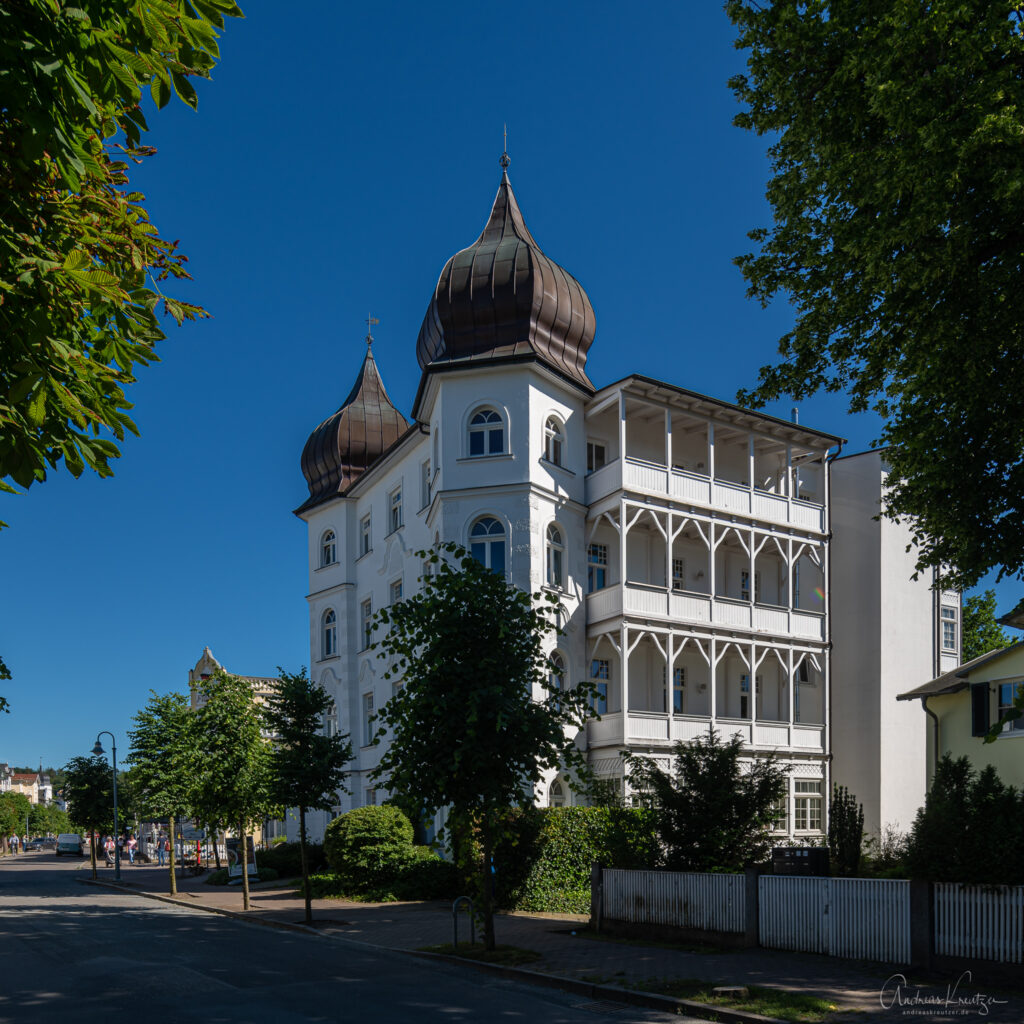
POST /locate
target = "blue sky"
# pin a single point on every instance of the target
(334, 165)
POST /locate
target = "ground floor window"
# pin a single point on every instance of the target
(807, 805)
(1007, 694)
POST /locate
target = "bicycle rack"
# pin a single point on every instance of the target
(455, 923)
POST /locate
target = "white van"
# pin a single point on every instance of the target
(70, 843)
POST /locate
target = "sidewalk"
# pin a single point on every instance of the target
(853, 986)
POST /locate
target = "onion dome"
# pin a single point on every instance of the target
(503, 298)
(344, 446)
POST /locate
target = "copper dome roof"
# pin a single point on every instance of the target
(502, 297)
(344, 446)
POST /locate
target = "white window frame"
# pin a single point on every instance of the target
(366, 534)
(678, 574)
(425, 484)
(807, 805)
(484, 421)
(1005, 696)
(370, 795)
(554, 441)
(328, 548)
(600, 673)
(395, 521)
(366, 621)
(331, 721)
(554, 548)
(594, 460)
(948, 617)
(678, 689)
(368, 719)
(597, 567)
(745, 585)
(395, 589)
(487, 542)
(329, 634)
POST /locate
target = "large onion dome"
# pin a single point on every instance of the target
(344, 446)
(503, 298)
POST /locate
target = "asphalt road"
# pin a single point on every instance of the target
(76, 954)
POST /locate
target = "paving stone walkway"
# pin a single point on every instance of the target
(853, 986)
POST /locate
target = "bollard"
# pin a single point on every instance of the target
(455, 923)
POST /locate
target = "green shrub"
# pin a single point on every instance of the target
(286, 858)
(425, 876)
(218, 877)
(267, 875)
(369, 844)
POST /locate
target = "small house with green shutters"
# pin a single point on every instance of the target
(962, 704)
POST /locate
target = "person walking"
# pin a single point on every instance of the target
(131, 844)
(14, 845)
(161, 849)
(108, 849)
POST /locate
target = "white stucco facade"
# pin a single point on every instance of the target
(889, 636)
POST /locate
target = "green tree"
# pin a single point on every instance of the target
(15, 810)
(980, 631)
(47, 819)
(234, 776)
(308, 767)
(479, 718)
(164, 762)
(845, 831)
(714, 813)
(896, 173)
(80, 261)
(89, 791)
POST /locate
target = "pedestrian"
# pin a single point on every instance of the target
(14, 845)
(161, 850)
(108, 849)
(131, 844)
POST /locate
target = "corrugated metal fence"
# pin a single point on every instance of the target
(710, 902)
(983, 922)
(867, 918)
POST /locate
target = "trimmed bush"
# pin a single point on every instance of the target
(369, 846)
(286, 860)
(218, 877)
(267, 875)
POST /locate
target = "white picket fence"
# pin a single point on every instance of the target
(710, 902)
(866, 918)
(986, 923)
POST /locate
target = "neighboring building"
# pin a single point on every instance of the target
(26, 783)
(5, 777)
(962, 704)
(888, 631)
(205, 668)
(687, 538)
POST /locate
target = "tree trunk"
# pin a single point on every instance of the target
(92, 852)
(245, 864)
(488, 891)
(216, 847)
(305, 865)
(170, 859)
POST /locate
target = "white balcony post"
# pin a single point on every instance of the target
(668, 442)
(624, 660)
(751, 587)
(713, 674)
(750, 466)
(753, 686)
(622, 434)
(789, 483)
(711, 457)
(711, 566)
(792, 683)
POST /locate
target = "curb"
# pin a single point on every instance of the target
(611, 993)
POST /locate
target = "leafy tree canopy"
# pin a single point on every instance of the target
(897, 167)
(80, 262)
(980, 631)
(89, 791)
(163, 755)
(480, 715)
(15, 808)
(714, 813)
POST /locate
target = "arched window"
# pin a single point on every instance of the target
(486, 433)
(554, 441)
(331, 721)
(556, 672)
(328, 549)
(487, 543)
(329, 634)
(555, 557)
(556, 794)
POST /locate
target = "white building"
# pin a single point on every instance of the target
(650, 508)
(890, 633)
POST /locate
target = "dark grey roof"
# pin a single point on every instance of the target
(952, 682)
(346, 444)
(503, 297)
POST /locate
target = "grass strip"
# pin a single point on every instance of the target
(507, 956)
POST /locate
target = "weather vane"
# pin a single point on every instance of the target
(371, 321)
(504, 161)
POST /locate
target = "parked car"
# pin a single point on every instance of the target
(39, 843)
(69, 843)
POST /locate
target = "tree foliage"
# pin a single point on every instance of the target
(478, 720)
(845, 831)
(980, 630)
(308, 768)
(897, 169)
(233, 780)
(89, 791)
(164, 761)
(971, 828)
(81, 264)
(15, 810)
(714, 813)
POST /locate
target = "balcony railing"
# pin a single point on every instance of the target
(642, 727)
(693, 488)
(648, 601)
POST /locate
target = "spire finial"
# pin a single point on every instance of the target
(504, 161)
(370, 321)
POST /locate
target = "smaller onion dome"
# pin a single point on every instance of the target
(502, 298)
(344, 446)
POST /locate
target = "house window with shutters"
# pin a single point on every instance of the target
(1008, 693)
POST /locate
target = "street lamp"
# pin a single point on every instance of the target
(98, 751)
